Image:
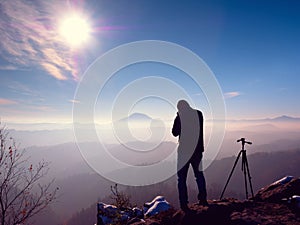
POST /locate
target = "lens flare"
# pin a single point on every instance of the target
(75, 29)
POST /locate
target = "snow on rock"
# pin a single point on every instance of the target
(108, 214)
(283, 180)
(284, 188)
(156, 199)
(107, 209)
(157, 205)
(138, 212)
(266, 208)
(295, 201)
(157, 208)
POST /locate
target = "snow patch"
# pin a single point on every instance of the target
(283, 180)
(157, 205)
(110, 214)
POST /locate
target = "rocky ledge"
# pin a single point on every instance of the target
(278, 203)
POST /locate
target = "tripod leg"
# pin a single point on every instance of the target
(234, 165)
(245, 171)
(249, 176)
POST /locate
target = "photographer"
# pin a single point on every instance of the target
(188, 125)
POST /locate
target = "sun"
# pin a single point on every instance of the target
(75, 29)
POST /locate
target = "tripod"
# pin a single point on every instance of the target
(245, 168)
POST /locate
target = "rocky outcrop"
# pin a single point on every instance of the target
(110, 214)
(277, 203)
(227, 212)
(280, 190)
(156, 206)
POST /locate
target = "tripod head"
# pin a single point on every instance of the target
(243, 140)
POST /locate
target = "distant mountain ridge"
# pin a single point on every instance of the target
(283, 118)
(136, 117)
(131, 117)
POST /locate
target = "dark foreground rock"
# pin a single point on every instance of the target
(229, 211)
(281, 189)
(270, 206)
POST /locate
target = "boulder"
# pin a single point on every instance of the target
(295, 202)
(157, 205)
(284, 188)
(109, 214)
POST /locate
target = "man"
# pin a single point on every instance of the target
(188, 125)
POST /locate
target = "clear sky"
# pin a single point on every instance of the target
(252, 47)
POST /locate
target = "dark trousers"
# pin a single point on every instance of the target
(182, 176)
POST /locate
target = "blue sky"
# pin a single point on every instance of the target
(251, 46)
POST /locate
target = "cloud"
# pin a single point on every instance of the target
(8, 67)
(41, 108)
(23, 89)
(232, 94)
(54, 71)
(74, 101)
(26, 94)
(29, 37)
(4, 101)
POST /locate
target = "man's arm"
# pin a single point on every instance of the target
(200, 115)
(176, 126)
(201, 133)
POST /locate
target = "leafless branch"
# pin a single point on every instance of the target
(21, 193)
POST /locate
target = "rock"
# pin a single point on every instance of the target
(136, 221)
(283, 188)
(156, 199)
(218, 212)
(137, 212)
(282, 181)
(266, 208)
(157, 205)
(106, 213)
(295, 201)
(106, 209)
(109, 214)
(229, 212)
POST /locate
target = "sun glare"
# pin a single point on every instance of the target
(75, 30)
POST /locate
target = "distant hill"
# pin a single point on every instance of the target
(283, 118)
(261, 131)
(136, 117)
(261, 127)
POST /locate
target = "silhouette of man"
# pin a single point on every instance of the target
(188, 125)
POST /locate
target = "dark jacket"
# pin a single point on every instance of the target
(176, 131)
